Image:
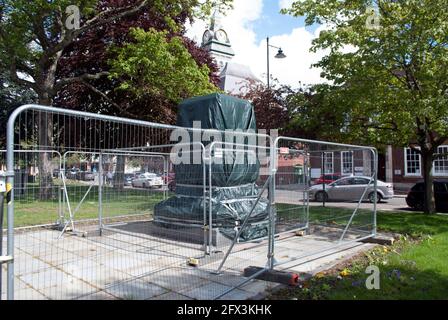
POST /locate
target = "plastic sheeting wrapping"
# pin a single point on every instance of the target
(234, 173)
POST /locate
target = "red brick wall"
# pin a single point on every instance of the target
(316, 160)
(286, 173)
(398, 163)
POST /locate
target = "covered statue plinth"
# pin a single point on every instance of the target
(233, 177)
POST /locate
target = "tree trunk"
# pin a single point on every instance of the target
(119, 173)
(429, 200)
(45, 133)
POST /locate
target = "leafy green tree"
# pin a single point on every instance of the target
(388, 62)
(314, 110)
(154, 65)
(11, 97)
(35, 35)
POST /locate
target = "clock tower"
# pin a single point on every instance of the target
(216, 41)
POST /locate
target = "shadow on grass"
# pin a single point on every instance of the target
(412, 223)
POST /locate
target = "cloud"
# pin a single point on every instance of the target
(285, 3)
(239, 24)
(296, 67)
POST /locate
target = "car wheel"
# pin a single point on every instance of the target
(418, 206)
(321, 196)
(372, 197)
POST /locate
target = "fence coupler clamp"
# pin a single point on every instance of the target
(6, 259)
(6, 174)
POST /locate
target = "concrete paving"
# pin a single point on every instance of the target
(141, 266)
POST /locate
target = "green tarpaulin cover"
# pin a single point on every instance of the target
(234, 173)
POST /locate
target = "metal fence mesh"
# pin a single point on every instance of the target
(104, 210)
(326, 190)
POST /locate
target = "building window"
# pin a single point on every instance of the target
(328, 162)
(441, 164)
(347, 162)
(412, 162)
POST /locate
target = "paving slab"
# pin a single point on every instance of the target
(55, 284)
(171, 296)
(117, 266)
(27, 294)
(212, 290)
(135, 290)
(101, 295)
(25, 263)
(93, 273)
(175, 280)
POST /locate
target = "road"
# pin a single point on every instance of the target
(398, 203)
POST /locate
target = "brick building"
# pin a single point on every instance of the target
(403, 166)
(344, 163)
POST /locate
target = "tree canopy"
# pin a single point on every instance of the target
(91, 54)
(36, 36)
(269, 104)
(388, 64)
(157, 66)
(60, 50)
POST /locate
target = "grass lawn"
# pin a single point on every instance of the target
(415, 267)
(29, 211)
(363, 220)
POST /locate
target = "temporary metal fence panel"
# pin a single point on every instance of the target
(291, 189)
(239, 179)
(106, 208)
(26, 183)
(84, 232)
(327, 190)
(104, 187)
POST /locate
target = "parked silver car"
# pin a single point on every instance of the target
(351, 189)
(148, 180)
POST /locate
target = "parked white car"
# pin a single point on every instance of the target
(148, 180)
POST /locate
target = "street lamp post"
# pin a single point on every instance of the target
(279, 55)
(271, 192)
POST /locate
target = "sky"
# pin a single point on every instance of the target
(248, 25)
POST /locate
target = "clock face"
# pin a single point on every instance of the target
(206, 37)
(221, 36)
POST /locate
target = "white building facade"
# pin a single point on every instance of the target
(234, 78)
